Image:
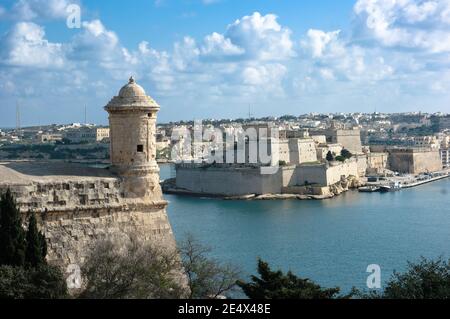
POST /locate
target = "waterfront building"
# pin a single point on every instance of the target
(445, 157)
(239, 180)
(49, 137)
(350, 139)
(431, 142)
(414, 160)
(87, 134)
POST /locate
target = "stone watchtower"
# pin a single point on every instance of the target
(77, 205)
(132, 122)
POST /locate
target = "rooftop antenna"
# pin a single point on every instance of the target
(249, 112)
(17, 117)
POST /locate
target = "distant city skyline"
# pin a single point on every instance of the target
(216, 58)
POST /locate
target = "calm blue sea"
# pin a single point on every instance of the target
(332, 241)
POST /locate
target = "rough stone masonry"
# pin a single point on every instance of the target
(77, 205)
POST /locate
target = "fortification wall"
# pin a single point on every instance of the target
(306, 151)
(401, 162)
(74, 214)
(427, 161)
(326, 175)
(414, 161)
(335, 173)
(377, 160)
(228, 181)
(312, 174)
(289, 176)
(350, 139)
(361, 160)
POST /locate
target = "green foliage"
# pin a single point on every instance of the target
(24, 272)
(43, 282)
(12, 235)
(55, 151)
(207, 278)
(340, 158)
(426, 279)
(346, 154)
(36, 246)
(421, 130)
(163, 153)
(330, 156)
(130, 271)
(142, 271)
(282, 163)
(277, 285)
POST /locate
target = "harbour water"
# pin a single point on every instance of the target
(332, 241)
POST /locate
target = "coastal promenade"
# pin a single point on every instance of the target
(410, 181)
(426, 181)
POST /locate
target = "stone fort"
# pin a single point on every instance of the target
(76, 205)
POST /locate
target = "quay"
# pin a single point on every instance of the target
(401, 182)
(426, 181)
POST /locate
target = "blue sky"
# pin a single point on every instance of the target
(215, 58)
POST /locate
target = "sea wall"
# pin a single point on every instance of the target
(326, 174)
(230, 181)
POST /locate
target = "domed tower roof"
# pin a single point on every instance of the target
(131, 89)
(132, 96)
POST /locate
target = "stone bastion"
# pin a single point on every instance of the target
(76, 205)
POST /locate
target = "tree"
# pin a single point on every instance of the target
(330, 156)
(24, 272)
(282, 163)
(276, 285)
(12, 235)
(426, 279)
(36, 246)
(207, 278)
(346, 154)
(137, 270)
(131, 270)
(43, 282)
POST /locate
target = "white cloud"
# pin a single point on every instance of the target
(264, 75)
(25, 45)
(334, 58)
(413, 24)
(185, 54)
(254, 60)
(216, 44)
(262, 37)
(43, 9)
(322, 43)
(96, 44)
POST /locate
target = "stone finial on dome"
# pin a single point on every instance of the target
(132, 96)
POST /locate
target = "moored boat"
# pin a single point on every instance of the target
(369, 189)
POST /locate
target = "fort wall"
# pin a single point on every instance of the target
(74, 212)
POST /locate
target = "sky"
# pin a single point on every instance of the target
(221, 58)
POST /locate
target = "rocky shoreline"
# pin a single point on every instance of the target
(169, 187)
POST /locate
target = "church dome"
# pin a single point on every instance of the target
(132, 89)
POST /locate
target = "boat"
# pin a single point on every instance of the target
(393, 187)
(369, 189)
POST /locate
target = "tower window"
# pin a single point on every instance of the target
(140, 148)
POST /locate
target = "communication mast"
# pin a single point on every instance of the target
(17, 117)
